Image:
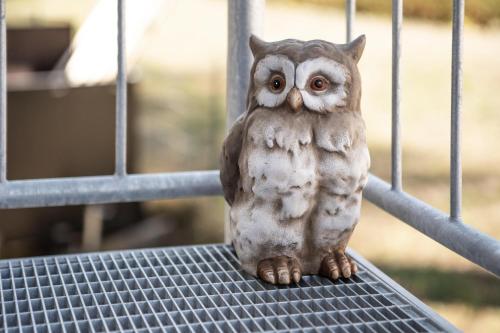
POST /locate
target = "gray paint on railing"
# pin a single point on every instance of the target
(121, 96)
(108, 189)
(350, 13)
(456, 110)
(244, 18)
(396, 159)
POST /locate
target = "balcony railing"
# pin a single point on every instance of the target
(202, 289)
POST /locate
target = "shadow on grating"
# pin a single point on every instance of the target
(191, 289)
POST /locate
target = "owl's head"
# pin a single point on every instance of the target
(315, 75)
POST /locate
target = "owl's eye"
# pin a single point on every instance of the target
(277, 83)
(319, 83)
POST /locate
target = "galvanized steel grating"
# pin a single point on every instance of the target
(195, 289)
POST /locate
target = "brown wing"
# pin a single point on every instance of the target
(229, 169)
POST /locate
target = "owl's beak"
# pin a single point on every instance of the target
(294, 99)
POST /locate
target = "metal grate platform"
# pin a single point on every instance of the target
(196, 289)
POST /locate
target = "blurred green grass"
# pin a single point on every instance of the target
(482, 12)
(447, 286)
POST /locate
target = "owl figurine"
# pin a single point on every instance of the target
(293, 166)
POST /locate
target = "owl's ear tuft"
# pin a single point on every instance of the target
(257, 45)
(355, 48)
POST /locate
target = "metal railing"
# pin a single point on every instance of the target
(244, 18)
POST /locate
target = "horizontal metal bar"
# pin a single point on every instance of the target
(457, 236)
(108, 189)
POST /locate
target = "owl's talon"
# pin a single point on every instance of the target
(279, 270)
(282, 270)
(343, 263)
(269, 277)
(266, 271)
(338, 264)
(296, 272)
(334, 274)
(329, 267)
(283, 277)
(354, 266)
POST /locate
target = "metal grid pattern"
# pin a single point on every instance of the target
(196, 289)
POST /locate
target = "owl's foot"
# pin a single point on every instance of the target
(338, 264)
(279, 270)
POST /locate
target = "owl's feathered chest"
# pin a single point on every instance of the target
(287, 154)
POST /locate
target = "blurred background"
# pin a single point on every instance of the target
(177, 58)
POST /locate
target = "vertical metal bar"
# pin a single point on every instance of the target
(245, 17)
(456, 106)
(350, 12)
(396, 160)
(121, 97)
(3, 94)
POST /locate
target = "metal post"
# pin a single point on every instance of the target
(3, 94)
(245, 17)
(456, 106)
(350, 12)
(396, 160)
(121, 97)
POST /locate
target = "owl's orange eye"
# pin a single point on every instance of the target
(319, 83)
(277, 83)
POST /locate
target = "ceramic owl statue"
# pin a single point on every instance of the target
(294, 165)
